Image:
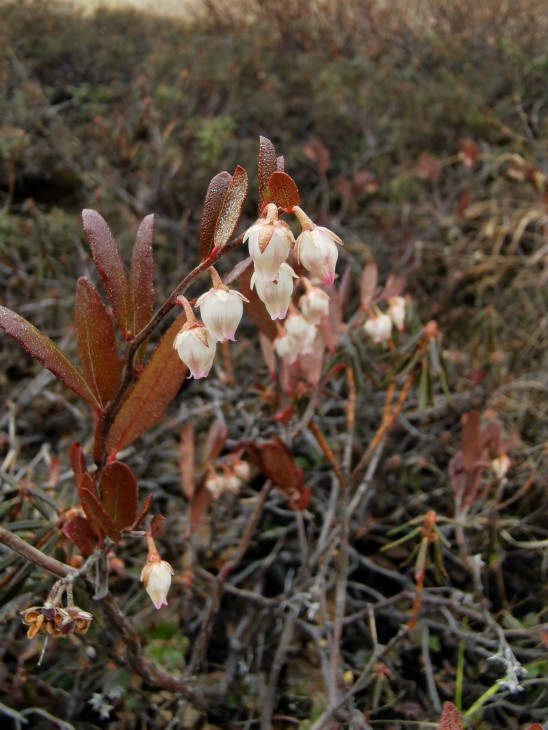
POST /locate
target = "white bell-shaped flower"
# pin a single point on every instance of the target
(379, 327)
(276, 295)
(301, 331)
(396, 312)
(314, 304)
(316, 248)
(156, 576)
(196, 348)
(270, 241)
(221, 311)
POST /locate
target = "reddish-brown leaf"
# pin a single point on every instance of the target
(450, 718)
(141, 276)
(468, 152)
(318, 153)
(119, 493)
(77, 462)
(283, 190)
(536, 726)
(427, 167)
(98, 517)
(96, 342)
(231, 209)
(109, 264)
(80, 534)
(151, 395)
(156, 524)
(214, 198)
(186, 459)
(215, 441)
(276, 462)
(46, 352)
(143, 512)
(255, 307)
(470, 439)
(370, 277)
(267, 165)
(201, 500)
(393, 287)
(87, 482)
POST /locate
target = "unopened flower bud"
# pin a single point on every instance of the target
(396, 312)
(241, 469)
(270, 241)
(233, 484)
(501, 465)
(379, 327)
(156, 577)
(276, 295)
(216, 484)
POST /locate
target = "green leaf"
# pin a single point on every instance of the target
(231, 208)
(151, 395)
(109, 264)
(119, 493)
(96, 342)
(46, 352)
(216, 193)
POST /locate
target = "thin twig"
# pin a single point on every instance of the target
(215, 600)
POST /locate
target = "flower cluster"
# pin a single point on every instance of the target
(56, 621)
(270, 240)
(230, 480)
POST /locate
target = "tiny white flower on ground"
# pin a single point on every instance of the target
(396, 312)
(379, 327)
(156, 576)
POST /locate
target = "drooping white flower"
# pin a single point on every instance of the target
(196, 348)
(276, 295)
(379, 327)
(270, 241)
(396, 311)
(221, 311)
(301, 331)
(286, 348)
(316, 248)
(156, 576)
(314, 304)
(501, 465)
(195, 345)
